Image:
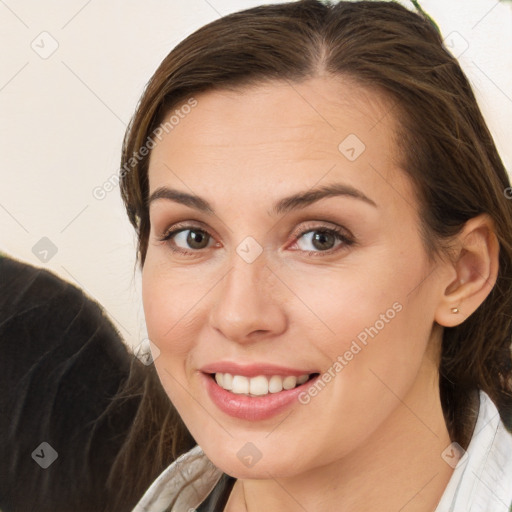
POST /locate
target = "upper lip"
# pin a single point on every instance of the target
(253, 369)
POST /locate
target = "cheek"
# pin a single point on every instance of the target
(166, 302)
(169, 299)
(365, 320)
(174, 309)
(353, 301)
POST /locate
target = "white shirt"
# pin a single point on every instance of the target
(481, 480)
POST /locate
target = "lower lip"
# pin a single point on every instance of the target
(253, 408)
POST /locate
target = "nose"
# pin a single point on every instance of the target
(249, 303)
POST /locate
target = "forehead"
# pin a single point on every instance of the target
(281, 135)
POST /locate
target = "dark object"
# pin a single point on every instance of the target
(61, 364)
(218, 498)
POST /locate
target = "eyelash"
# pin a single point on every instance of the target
(339, 233)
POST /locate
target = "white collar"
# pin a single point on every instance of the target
(481, 481)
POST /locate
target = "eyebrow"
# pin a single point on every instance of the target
(184, 198)
(287, 204)
(303, 199)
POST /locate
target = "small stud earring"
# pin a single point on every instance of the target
(455, 310)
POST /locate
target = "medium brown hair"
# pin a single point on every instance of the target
(443, 141)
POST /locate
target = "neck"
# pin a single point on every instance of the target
(399, 467)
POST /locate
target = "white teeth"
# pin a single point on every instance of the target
(275, 384)
(227, 381)
(289, 382)
(240, 385)
(302, 379)
(260, 385)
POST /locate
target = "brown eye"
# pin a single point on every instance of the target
(186, 239)
(317, 240)
(197, 239)
(323, 241)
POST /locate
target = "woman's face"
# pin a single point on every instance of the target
(296, 254)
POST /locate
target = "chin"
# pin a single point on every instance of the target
(262, 469)
(243, 458)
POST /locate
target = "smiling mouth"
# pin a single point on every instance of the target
(260, 385)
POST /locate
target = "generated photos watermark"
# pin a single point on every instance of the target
(100, 192)
(355, 348)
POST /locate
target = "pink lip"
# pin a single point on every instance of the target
(251, 408)
(253, 370)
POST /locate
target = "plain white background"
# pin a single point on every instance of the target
(71, 74)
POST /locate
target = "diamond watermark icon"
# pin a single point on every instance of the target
(249, 455)
(249, 249)
(44, 249)
(456, 44)
(147, 352)
(453, 453)
(45, 455)
(351, 147)
(45, 45)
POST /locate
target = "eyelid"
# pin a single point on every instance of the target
(183, 226)
(319, 225)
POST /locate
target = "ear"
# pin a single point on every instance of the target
(475, 264)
